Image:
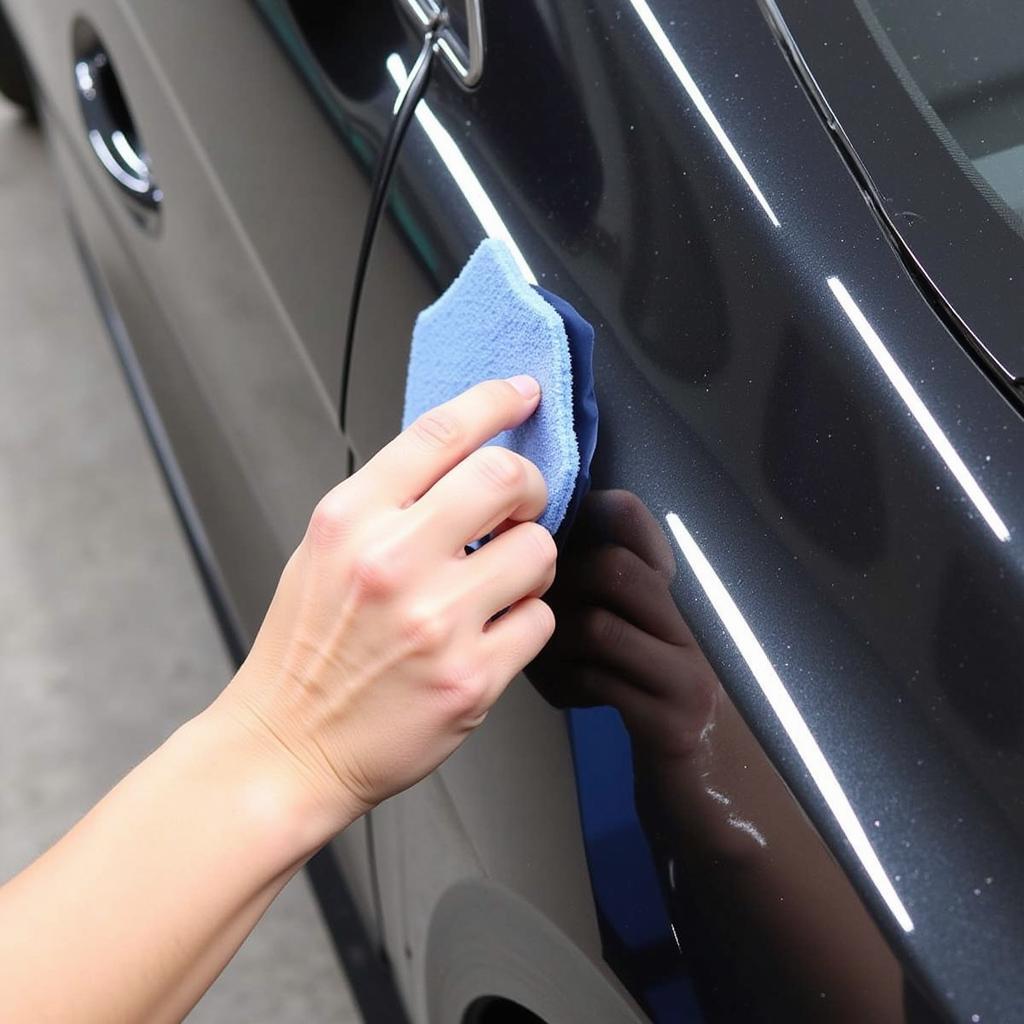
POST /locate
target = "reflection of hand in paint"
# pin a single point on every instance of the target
(620, 641)
(778, 922)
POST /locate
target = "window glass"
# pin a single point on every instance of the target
(963, 63)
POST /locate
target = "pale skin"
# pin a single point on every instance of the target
(379, 654)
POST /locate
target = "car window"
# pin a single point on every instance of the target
(925, 99)
(963, 64)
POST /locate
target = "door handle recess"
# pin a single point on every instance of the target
(110, 127)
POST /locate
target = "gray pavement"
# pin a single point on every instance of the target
(106, 642)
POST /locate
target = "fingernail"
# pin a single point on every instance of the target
(525, 385)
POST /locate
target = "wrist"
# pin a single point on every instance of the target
(264, 797)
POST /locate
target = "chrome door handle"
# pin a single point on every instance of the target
(109, 125)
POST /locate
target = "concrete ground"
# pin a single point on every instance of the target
(106, 642)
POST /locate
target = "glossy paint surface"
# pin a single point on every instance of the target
(806, 516)
(965, 241)
(799, 573)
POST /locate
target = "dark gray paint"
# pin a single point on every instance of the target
(736, 393)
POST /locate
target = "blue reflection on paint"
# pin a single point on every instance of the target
(636, 933)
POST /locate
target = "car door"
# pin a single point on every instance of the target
(505, 161)
(228, 289)
(472, 826)
(660, 167)
(263, 141)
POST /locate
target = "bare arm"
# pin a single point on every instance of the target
(379, 654)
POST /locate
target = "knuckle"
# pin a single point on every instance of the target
(425, 628)
(460, 685)
(435, 429)
(616, 563)
(547, 618)
(332, 520)
(628, 504)
(500, 468)
(377, 570)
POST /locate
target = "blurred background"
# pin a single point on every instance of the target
(106, 643)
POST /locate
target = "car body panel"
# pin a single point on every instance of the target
(833, 474)
(474, 826)
(239, 336)
(208, 276)
(810, 464)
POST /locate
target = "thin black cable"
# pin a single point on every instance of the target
(415, 86)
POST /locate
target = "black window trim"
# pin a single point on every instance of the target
(963, 253)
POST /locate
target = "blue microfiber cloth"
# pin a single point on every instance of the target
(491, 323)
(580, 336)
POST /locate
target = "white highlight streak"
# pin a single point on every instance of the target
(790, 718)
(101, 150)
(84, 77)
(128, 155)
(919, 410)
(468, 183)
(674, 61)
(742, 825)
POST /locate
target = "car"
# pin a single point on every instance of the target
(770, 765)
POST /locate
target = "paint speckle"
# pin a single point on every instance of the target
(749, 828)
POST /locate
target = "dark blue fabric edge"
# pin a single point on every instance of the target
(580, 335)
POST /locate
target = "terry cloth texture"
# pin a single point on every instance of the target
(491, 323)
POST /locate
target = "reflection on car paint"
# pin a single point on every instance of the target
(462, 174)
(674, 61)
(737, 392)
(918, 409)
(767, 925)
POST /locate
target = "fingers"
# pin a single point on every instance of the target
(518, 564)
(490, 486)
(410, 465)
(513, 641)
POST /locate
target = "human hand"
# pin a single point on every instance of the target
(380, 651)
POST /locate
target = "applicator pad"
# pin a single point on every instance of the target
(492, 323)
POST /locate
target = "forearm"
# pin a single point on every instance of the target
(200, 975)
(381, 650)
(138, 908)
